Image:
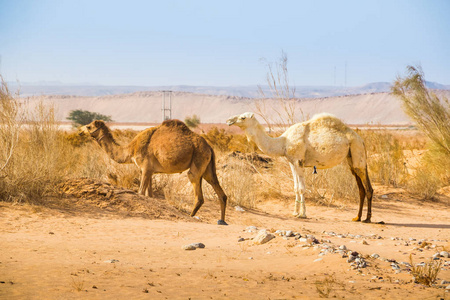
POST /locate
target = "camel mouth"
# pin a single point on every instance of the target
(231, 121)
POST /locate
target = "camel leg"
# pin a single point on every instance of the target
(198, 167)
(364, 175)
(362, 195)
(145, 187)
(198, 193)
(211, 177)
(299, 189)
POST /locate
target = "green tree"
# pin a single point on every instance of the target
(83, 117)
(193, 121)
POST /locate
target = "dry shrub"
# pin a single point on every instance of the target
(75, 139)
(177, 190)
(237, 180)
(222, 141)
(325, 187)
(10, 123)
(432, 173)
(385, 156)
(331, 184)
(40, 158)
(329, 286)
(426, 274)
(431, 114)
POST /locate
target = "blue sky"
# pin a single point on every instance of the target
(222, 43)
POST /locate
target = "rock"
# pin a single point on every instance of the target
(421, 264)
(318, 259)
(111, 261)
(445, 254)
(444, 282)
(238, 208)
(198, 245)
(289, 233)
(375, 255)
(405, 264)
(302, 239)
(263, 237)
(251, 229)
(280, 232)
(342, 247)
(241, 240)
(364, 242)
(188, 247)
(193, 246)
(448, 287)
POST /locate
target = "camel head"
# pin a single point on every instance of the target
(244, 120)
(92, 129)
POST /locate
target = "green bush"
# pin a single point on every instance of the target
(81, 117)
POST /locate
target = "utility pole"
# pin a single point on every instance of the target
(166, 111)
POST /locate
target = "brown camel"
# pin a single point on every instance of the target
(168, 148)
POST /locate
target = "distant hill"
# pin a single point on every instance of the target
(145, 107)
(251, 91)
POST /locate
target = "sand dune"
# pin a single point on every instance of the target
(376, 108)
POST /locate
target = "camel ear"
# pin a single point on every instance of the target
(248, 115)
(99, 124)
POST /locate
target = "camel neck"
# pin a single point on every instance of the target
(112, 148)
(266, 143)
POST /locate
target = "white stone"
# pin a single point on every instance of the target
(262, 237)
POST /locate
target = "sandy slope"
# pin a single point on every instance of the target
(379, 108)
(60, 252)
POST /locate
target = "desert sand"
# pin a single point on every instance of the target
(375, 109)
(131, 248)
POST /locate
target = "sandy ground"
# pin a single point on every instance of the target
(374, 109)
(65, 252)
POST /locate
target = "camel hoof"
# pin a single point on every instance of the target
(221, 222)
(367, 221)
(301, 216)
(356, 219)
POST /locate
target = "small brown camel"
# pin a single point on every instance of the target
(168, 148)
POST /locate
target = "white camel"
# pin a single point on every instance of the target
(322, 142)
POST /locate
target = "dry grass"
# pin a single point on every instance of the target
(328, 287)
(36, 156)
(426, 274)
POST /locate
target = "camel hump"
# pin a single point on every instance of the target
(175, 124)
(326, 120)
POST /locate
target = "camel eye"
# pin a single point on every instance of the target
(242, 118)
(88, 127)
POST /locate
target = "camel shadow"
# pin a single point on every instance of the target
(256, 212)
(418, 225)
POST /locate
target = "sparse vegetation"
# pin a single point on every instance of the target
(431, 114)
(192, 122)
(81, 117)
(425, 273)
(286, 111)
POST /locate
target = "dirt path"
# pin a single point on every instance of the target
(66, 254)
